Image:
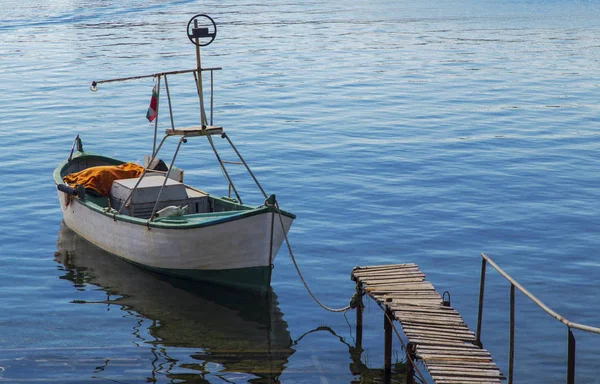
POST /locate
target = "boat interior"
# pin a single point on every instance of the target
(144, 191)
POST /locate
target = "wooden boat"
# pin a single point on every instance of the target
(155, 220)
(241, 332)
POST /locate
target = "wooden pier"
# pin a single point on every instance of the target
(436, 332)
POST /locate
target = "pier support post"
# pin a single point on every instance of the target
(359, 316)
(410, 368)
(387, 347)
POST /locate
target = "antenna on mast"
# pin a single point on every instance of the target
(198, 35)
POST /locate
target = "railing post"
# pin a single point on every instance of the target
(515, 285)
(571, 358)
(480, 312)
(511, 335)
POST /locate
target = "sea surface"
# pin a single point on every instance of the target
(422, 131)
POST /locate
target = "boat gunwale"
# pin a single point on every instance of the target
(241, 214)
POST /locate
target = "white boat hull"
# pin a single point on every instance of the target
(211, 321)
(246, 246)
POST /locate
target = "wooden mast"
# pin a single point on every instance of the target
(200, 93)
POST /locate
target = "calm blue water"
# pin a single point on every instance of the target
(422, 132)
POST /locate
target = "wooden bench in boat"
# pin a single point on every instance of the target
(195, 131)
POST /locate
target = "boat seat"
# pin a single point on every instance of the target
(143, 198)
(195, 131)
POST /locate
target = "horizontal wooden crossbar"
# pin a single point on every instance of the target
(195, 131)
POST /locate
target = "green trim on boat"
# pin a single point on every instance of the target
(183, 222)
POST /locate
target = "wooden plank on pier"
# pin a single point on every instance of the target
(378, 274)
(400, 287)
(441, 338)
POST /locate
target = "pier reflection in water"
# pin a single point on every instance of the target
(222, 330)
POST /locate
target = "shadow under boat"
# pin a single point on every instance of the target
(244, 332)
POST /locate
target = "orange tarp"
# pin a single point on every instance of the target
(99, 179)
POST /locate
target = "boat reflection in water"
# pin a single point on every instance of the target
(241, 332)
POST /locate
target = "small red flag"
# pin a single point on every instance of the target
(153, 108)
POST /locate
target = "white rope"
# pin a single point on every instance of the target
(346, 308)
(287, 242)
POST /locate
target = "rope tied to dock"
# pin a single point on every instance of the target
(271, 201)
(356, 299)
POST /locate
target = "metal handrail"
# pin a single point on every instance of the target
(537, 301)
(514, 284)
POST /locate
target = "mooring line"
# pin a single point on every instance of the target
(287, 242)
